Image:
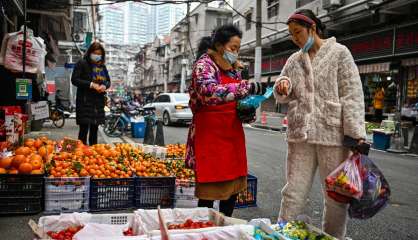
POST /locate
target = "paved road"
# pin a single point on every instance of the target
(266, 156)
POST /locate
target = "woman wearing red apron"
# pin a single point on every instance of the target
(216, 143)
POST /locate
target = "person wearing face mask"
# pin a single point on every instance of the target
(322, 87)
(91, 78)
(216, 141)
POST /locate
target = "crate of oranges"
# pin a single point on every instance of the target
(176, 151)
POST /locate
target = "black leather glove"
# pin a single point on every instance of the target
(258, 88)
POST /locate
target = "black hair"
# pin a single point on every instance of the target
(204, 45)
(93, 47)
(320, 27)
(223, 34)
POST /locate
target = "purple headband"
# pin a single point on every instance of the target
(300, 17)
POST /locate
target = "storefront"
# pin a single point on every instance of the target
(385, 61)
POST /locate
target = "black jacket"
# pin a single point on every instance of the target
(89, 103)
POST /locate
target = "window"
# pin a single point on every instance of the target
(80, 19)
(300, 3)
(236, 24)
(272, 8)
(163, 98)
(221, 21)
(248, 21)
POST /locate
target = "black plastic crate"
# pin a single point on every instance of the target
(248, 198)
(112, 193)
(21, 194)
(68, 194)
(151, 192)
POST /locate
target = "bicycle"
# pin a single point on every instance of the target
(56, 115)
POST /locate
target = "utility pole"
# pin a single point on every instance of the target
(93, 14)
(257, 65)
(184, 61)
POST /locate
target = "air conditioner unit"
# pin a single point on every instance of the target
(330, 4)
(79, 37)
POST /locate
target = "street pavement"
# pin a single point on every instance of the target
(266, 151)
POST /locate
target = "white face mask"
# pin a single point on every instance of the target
(230, 57)
(95, 57)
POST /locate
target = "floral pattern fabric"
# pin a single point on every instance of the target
(206, 90)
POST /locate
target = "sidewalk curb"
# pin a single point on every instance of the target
(266, 127)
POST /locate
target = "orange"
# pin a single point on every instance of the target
(35, 157)
(25, 168)
(36, 171)
(43, 151)
(23, 151)
(3, 171)
(84, 173)
(13, 171)
(36, 164)
(43, 138)
(6, 162)
(17, 160)
(38, 143)
(50, 148)
(29, 142)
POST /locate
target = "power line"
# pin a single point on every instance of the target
(148, 2)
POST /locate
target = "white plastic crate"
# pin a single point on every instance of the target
(112, 219)
(67, 194)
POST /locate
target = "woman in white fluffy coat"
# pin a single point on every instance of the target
(322, 86)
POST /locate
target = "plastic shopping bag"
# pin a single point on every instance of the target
(345, 182)
(35, 53)
(376, 191)
(246, 107)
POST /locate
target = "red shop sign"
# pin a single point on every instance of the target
(407, 39)
(371, 45)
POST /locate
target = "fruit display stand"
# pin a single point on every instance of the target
(148, 222)
(151, 192)
(67, 194)
(112, 193)
(21, 194)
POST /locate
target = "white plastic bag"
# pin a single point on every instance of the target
(92, 230)
(57, 223)
(222, 233)
(14, 52)
(345, 182)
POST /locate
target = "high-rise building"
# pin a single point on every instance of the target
(167, 16)
(111, 25)
(137, 18)
(137, 23)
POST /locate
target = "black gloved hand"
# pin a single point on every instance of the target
(246, 114)
(258, 88)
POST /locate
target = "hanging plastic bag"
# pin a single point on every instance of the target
(14, 52)
(345, 182)
(376, 191)
(246, 107)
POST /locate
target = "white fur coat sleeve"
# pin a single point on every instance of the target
(351, 96)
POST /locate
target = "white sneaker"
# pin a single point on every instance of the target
(348, 238)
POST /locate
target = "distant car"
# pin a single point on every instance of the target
(172, 107)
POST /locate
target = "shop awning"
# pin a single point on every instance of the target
(374, 68)
(410, 62)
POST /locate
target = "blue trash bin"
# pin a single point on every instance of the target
(138, 129)
(381, 140)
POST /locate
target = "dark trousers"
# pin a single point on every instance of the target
(88, 129)
(226, 206)
(378, 114)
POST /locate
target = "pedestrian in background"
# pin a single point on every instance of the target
(91, 78)
(216, 141)
(322, 87)
(378, 103)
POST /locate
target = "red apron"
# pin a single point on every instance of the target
(219, 144)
